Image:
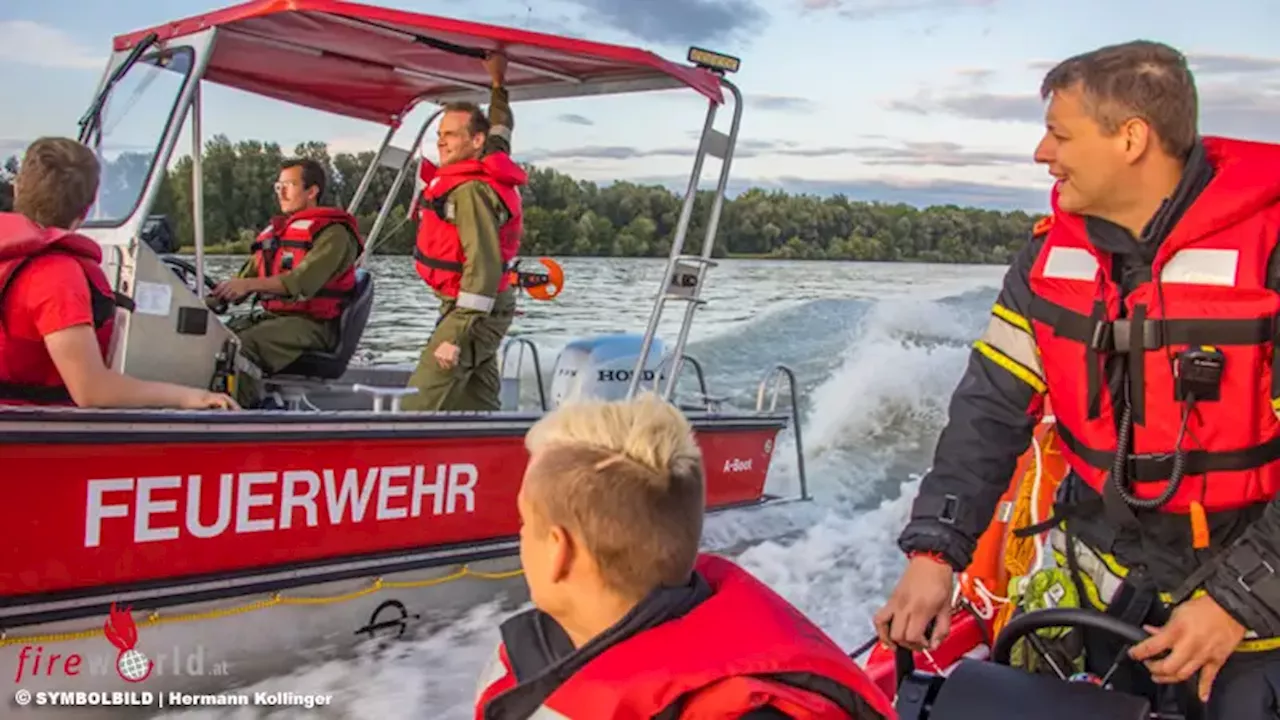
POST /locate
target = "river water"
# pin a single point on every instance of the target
(877, 349)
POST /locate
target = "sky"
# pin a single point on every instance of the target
(918, 101)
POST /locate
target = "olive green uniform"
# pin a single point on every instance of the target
(474, 382)
(274, 340)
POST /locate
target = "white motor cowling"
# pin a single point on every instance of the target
(601, 367)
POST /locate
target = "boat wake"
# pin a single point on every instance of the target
(875, 379)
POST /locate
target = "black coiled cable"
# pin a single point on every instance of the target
(1122, 456)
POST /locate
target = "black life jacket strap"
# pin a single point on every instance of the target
(1158, 467)
(436, 263)
(436, 205)
(848, 700)
(1119, 336)
(47, 394)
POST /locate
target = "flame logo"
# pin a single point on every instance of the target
(121, 632)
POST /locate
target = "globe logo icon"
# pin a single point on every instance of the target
(121, 632)
(133, 666)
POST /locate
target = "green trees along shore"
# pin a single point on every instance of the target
(566, 217)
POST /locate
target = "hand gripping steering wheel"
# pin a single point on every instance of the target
(1027, 625)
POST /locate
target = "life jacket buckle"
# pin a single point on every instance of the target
(1251, 567)
(1121, 337)
(1103, 338)
(1249, 579)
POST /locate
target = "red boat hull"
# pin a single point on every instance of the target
(161, 500)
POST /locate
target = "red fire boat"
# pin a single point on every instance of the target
(248, 541)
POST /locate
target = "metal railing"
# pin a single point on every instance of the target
(537, 367)
(773, 376)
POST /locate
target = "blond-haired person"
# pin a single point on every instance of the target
(630, 621)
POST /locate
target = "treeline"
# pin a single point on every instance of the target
(564, 216)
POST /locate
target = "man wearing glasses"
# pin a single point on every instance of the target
(303, 270)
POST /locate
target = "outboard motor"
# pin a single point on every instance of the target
(601, 367)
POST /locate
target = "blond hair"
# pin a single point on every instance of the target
(626, 477)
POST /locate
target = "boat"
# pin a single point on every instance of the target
(970, 675)
(227, 546)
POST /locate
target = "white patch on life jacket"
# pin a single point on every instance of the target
(1199, 266)
(1070, 263)
(300, 224)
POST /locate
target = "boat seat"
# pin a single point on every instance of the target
(331, 365)
(979, 690)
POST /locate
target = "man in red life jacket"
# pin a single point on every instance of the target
(469, 233)
(303, 268)
(1144, 309)
(629, 620)
(57, 308)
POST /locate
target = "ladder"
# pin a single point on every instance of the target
(685, 274)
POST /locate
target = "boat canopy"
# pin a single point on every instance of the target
(375, 64)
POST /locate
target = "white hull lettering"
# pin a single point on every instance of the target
(167, 507)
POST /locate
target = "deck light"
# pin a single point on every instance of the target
(716, 62)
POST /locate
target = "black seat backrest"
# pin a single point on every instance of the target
(355, 316)
(977, 690)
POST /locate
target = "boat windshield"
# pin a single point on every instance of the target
(128, 127)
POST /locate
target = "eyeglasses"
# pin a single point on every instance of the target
(291, 183)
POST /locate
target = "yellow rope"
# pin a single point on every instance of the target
(1019, 553)
(155, 618)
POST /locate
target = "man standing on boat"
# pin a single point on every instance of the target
(630, 620)
(57, 308)
(1144, 311)
(471, 224)
(303, 266)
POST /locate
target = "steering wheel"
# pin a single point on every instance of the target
(186, 271)
(1027, 625)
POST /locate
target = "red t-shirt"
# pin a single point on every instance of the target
(49, 293)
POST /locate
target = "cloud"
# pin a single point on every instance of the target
(12, 146)
(868, 9)
(1232, 64)
(764, 102)
(885, 190)
(30, 43)
(781, 103)
(1205, 64)
(976, 76)
(937, 154)
(974, 106)
(907, 154)
(677, 21)
(575, 119)
(558, 24)
(1229, 103)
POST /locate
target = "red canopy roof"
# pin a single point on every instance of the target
(373, 63)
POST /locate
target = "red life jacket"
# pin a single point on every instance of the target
(283, 244)
(713, 664)
(1211, 294)
(21, 241)
(438, 253)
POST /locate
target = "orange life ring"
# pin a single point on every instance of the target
(540, 285)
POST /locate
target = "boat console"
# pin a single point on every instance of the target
(170, 335)
(985, 690)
